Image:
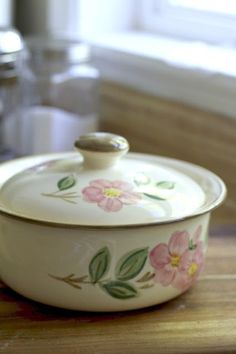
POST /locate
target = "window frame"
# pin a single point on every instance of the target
(159, 16)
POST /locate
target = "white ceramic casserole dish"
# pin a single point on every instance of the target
(98, 231)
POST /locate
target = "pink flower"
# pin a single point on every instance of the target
(110, 196)
(180, 262)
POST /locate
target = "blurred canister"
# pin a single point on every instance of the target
(11, 100)
(67, 87)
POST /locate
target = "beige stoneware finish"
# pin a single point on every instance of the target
(96, 230)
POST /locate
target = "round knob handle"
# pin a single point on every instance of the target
(101, 150)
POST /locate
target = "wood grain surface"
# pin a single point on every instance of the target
(159, 126)
(203, 320)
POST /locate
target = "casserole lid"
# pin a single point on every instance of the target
(100, 187)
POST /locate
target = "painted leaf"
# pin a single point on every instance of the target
(131, 264)
(154, 196)
(166, 184)
(146, 286)
(66, 183)
(99, 265)
(146, 277)
(120, 290)
(192, 246)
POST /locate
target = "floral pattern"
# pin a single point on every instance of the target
(179, 262)
(62, 185)
(175, 264)
(110, 195)
(127, 268)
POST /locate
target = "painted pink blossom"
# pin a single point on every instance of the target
(110, 195)
(180, 262)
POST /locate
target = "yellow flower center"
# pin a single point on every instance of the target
(112, 192)
(192, 269)
(175, 261)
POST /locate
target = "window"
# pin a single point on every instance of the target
(133, 44)
(215, 6)
(208, 20)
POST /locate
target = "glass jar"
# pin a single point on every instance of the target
(11, 58)
(67, 86)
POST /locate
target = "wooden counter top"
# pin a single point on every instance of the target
(203, 320)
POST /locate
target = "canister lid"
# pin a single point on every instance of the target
(11, 44)
(102, 186)
(57, 50)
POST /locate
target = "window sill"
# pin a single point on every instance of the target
(190, 72)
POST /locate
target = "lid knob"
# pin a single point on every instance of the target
(101, 150)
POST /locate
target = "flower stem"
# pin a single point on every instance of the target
(66, 196)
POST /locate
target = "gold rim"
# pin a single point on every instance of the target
(109, 227)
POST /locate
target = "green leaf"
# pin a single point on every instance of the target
(192, 246)
(146, 277)
(120, 290)
(154, 196)
(99, 264)
(166, 184)
(146, 286)
(131, 264)
(66, 183)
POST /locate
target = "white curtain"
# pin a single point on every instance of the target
(6, 12)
